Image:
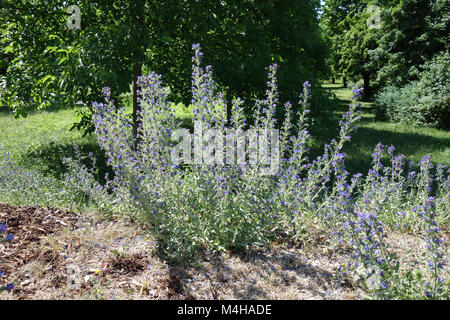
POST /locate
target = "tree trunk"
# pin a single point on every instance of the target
(137, 70)
(333, 80)
(344, 80)
(229, 98)
(137, 10)
(367, 94)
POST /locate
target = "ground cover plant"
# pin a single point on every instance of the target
(193, 209)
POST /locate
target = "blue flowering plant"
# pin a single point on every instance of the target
(196, 205)
(31, 187)
(212, 205)
(5, 237)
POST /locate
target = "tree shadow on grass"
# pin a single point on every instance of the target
(364, 140)
(410, 144)
(32, 109)
(370, 132)
(49, 158)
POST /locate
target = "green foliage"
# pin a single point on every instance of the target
(412, 32)
(351, 41)
(397, 104)
(240, 39)
(334, 25)
(53, 65)
(425, 101)
(357, 44)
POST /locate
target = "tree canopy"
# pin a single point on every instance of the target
(120, 39)
(410, 33)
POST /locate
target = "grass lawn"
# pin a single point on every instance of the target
(414, 142)
(42, 139)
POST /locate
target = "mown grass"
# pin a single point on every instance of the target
(43, 139)
(414, 142)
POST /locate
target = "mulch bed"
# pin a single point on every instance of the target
(29, 225)
(117, 260)
(48, 240)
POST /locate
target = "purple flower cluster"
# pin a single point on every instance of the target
(226, 205)
(434, 241)
(7, 238)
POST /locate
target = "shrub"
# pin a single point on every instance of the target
(400, 105)
(194, 207)
(425, 102)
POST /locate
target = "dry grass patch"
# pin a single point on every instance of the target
(115, 259)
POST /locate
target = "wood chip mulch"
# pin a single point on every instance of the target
(29, 225)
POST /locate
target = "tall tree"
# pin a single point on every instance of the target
(352, 40)
(357, 44)
(118, 40)
(54, 64)
(240, 38)
(335, 23)
(412, 32)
